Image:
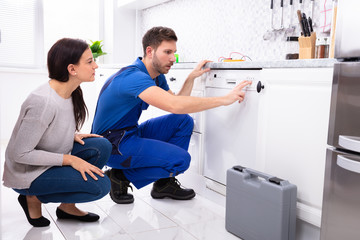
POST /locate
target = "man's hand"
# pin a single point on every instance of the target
(199, 70)
(237, 93)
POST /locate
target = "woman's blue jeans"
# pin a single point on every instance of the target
(65, 184)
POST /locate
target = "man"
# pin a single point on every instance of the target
(156, 150)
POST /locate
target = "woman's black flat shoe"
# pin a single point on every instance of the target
(90, 217)
(36, 222)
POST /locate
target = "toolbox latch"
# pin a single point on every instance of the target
(238, 168)
(276, 180)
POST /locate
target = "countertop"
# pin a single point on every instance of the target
(300, 63)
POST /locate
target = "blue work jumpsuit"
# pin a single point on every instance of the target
(152, 150)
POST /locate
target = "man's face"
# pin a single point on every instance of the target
(163, 57)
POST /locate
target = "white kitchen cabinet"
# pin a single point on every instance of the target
(290, 131)
(294, 117)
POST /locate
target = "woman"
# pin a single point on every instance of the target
(45, 160)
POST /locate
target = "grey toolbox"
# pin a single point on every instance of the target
(259, 206)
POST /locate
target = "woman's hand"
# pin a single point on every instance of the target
(82, 166)
(79, 136)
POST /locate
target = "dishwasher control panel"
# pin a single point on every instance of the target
(230, 78)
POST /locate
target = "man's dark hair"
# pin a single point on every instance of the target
(154, 36)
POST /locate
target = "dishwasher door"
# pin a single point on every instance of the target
(230, 132)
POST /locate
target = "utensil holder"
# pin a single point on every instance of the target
(307, 46)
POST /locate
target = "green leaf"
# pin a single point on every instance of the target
(96, 48)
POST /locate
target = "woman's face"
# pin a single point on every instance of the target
(85, 69)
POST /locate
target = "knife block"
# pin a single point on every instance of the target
(307, 46)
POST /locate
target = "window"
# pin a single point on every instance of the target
(28, 28)
(20, 33)
(70, 18)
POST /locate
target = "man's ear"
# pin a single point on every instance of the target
(71, 69)
(149, 52)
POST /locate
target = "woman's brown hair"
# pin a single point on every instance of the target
(64, 52)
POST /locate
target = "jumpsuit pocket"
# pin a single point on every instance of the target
(115, 137)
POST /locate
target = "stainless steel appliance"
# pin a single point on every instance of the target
(341, 198)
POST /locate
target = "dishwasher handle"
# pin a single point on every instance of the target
(259, 86)
(348, 164)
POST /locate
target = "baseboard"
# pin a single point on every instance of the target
(309, 214)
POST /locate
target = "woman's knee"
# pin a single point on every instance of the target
(103, 186)
(102, 146)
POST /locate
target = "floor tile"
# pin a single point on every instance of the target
(175, 233)
(200, 218)
(14, 224)
(105, 228)
(136, 217)
(214, 229)
(183, 212)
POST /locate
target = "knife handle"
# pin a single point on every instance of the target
(300, 21)
(310, 24)
(281, 3)
(291, 2)
(303, 25)
(299, 15)
(271, 4)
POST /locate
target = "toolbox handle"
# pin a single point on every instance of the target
(258, 174)
(253, 172)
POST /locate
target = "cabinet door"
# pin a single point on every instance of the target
(295, 115)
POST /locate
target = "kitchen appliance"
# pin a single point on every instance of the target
(231, 132)
(341, 197)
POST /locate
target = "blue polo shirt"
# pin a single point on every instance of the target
(118, 105)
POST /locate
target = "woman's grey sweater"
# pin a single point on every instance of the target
(43, 133)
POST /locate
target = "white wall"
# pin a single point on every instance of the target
(69, 18)
(209, 29)
(15, 86)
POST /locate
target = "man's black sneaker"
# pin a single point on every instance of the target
(171, 188)
(119, 188)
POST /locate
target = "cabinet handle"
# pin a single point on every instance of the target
(350, 142)
(348, 164)
(259, 86)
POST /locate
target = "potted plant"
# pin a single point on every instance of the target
(96, 49)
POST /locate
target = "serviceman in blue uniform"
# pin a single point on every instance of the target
(156, 150)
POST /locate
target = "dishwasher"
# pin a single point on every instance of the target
(231, 132)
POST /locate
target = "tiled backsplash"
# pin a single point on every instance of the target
(210, 29)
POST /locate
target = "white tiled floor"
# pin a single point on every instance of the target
(200, 218)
